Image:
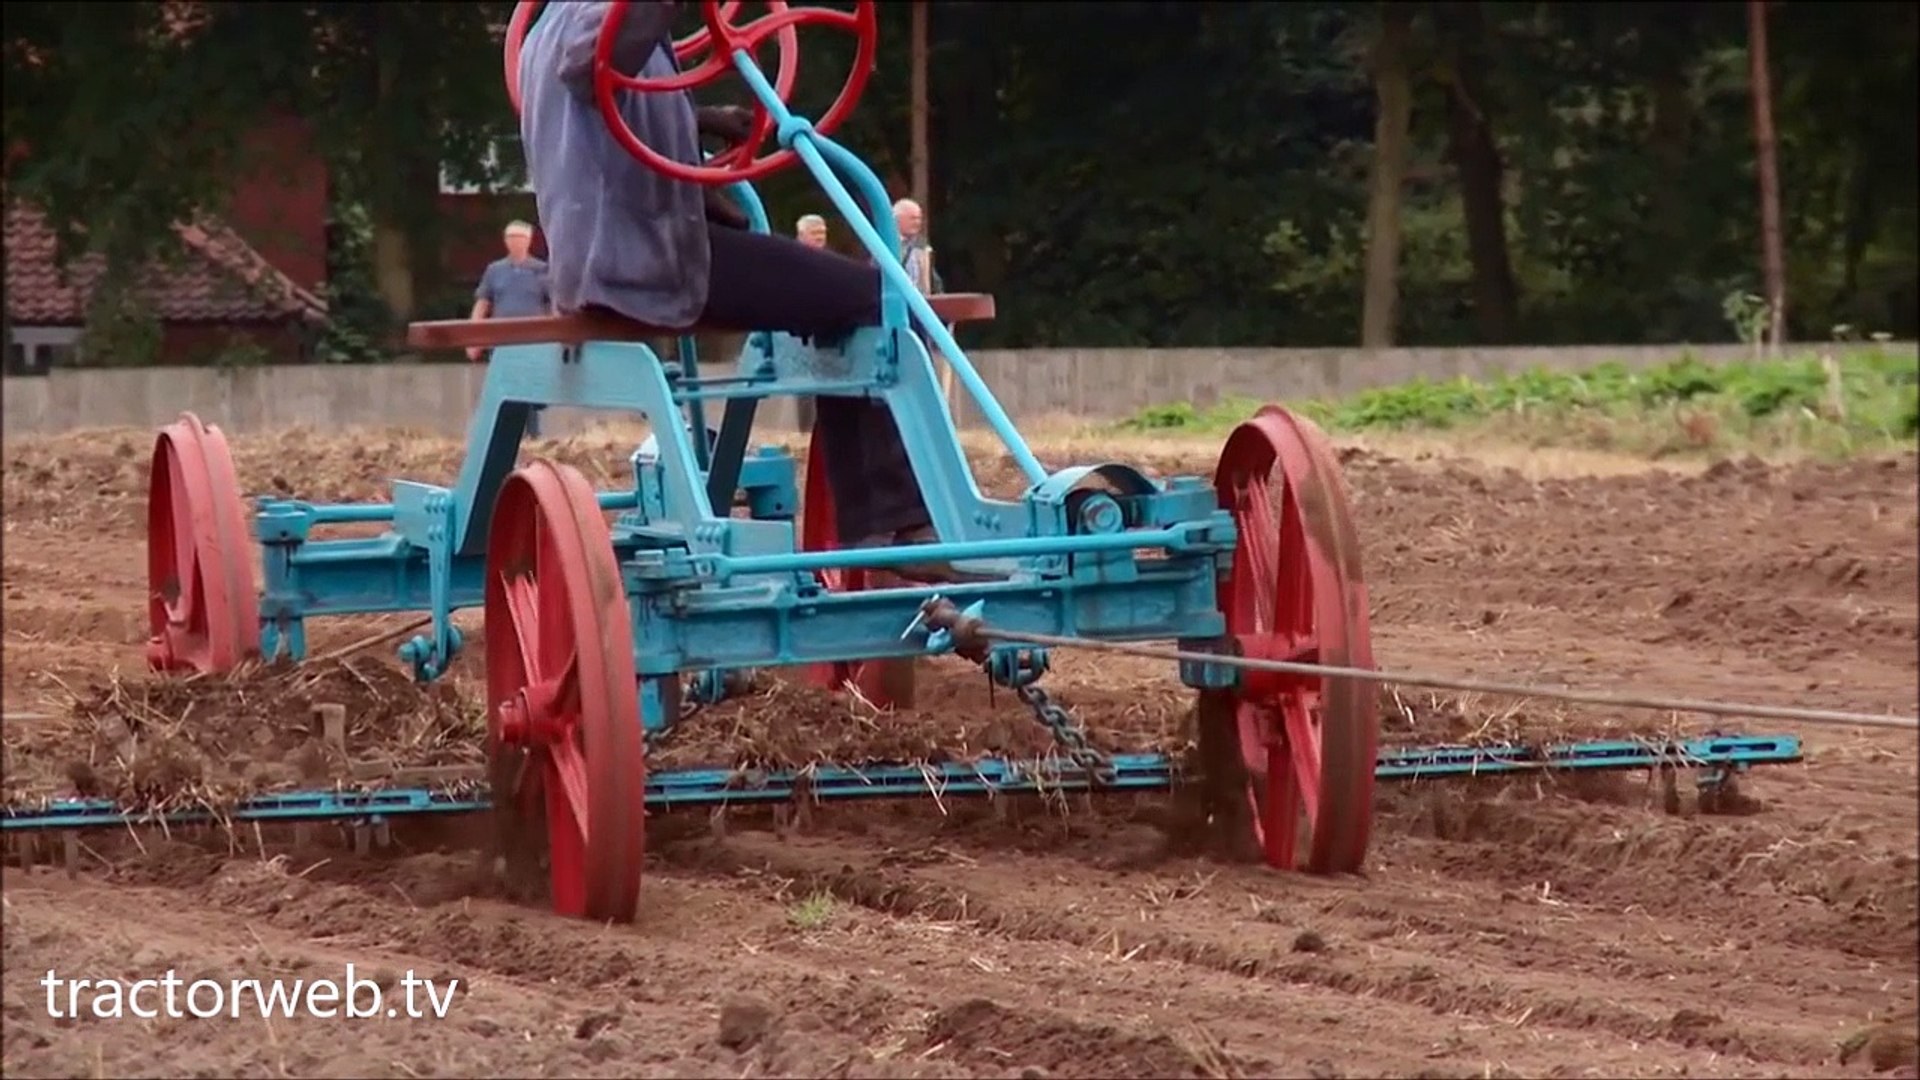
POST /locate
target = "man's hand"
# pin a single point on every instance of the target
(732, 123)
(475, 352)
(722, 210)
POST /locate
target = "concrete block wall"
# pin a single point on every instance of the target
(1093, 384)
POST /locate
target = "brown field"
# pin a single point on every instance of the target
(1544, 928)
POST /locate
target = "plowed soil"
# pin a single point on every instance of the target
(1543, 928)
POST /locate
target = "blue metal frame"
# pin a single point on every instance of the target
(1714, 756)
(711, 591)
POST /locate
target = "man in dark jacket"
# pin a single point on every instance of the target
(669, 253)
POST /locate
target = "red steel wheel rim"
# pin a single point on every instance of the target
(203, 613)
(885, 683)
(1297, 592)
(564, 732)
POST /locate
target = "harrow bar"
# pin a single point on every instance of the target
(1133, 773)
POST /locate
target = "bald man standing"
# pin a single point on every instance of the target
(514, 287)
(915, 255)
(811, 230)
(917, 259)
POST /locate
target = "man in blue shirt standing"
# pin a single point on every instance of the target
(514, 288)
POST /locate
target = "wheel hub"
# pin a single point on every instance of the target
(530, 717)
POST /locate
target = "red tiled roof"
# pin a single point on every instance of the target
(221, 279)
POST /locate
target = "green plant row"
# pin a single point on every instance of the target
(1860, 394)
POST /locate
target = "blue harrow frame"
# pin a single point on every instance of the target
(1262, 561)
(1715, 760)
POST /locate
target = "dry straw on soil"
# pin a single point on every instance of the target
(172, 744)
(169, 743)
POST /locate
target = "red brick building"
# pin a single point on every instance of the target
(257, 275)
(223, 294)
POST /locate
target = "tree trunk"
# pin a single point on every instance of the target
(917, 151)
(1393, 88)
(1476, 159)
(1670, 140)
(401, 166)
(1772, 252)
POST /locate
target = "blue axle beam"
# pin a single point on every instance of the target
(1717, 756)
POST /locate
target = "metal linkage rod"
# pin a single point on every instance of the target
(962, 625)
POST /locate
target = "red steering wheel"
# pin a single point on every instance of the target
(684, 50)
(735, 166)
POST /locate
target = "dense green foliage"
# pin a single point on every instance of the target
(1839, 401)
(1126, 173)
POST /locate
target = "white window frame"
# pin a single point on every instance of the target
(490, 163)
(33, 340)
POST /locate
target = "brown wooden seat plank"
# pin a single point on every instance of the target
(585, 326)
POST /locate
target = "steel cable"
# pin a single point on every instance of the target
(1444, 682)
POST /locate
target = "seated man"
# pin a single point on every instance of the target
(669, 253)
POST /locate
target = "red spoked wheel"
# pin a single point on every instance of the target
(885, 683)
(684, 50)
(563, 734)
(1307, 744)
(203, 613)
(726, 39)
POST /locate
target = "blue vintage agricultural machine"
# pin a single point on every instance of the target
(594, 631)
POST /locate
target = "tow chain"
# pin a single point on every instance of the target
(1071, 736)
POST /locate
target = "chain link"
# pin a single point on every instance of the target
(1098, 766)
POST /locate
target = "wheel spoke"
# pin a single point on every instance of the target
(1303, 746)
(566, 846)
(568, 769)
(523, 610)
(1296, 585)
(185, 561)
(555, 645)
(1263, 544)
(1279, 811)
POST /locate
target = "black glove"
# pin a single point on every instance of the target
(731, 123)
(723, 211)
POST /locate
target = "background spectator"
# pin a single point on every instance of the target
(917, 257)
(914, 252)
(811, 230)
(514, 287)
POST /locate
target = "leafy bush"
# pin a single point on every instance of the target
(1872, 396)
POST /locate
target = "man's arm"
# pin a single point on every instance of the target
(482, 306)
(644, 29)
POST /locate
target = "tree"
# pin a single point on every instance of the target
(135, 121)
(397, 92)
(123, 125)
(1476, 161)
(1388, 64)
(917, 63)
(1773, 255)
